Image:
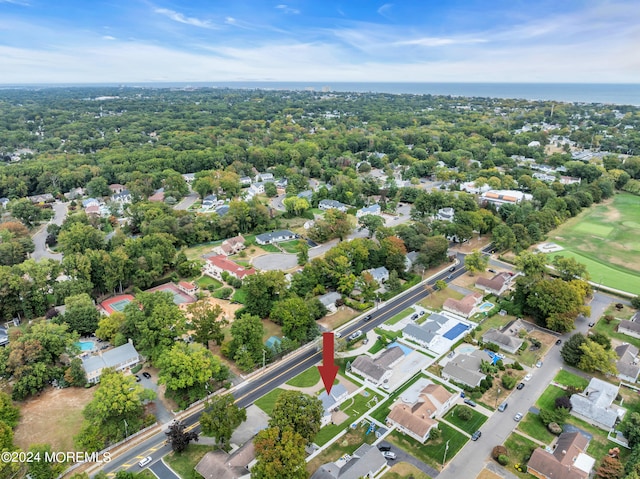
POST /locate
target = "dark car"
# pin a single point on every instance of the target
(476, 435)
(520, 386)
(138, 378)
(453, 268)
(367, 317)
(470, 402)
(591, 325)
(384, 446)
(146, 375)
(558, 342)
(414, 317)
(492, 270)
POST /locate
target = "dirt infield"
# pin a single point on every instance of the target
(53, 417)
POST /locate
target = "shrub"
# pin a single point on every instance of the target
(508, 381)
(609, 317)
(136, 368)
(563, 401)
(554, 428)
(517, 365)
(498, 451)
(523, 346)
(434, 433)
(492, 347)
(464, 413)
(503, 459)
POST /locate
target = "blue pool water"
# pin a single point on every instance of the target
(456, 331)
(484, 307)
(406, 350)
(85, 345)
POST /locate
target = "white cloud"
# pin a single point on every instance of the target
(287, 9)
(108, 37)
(440, 41)
(384, 9)
(180, 18)
(22, 3)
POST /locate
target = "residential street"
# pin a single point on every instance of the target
(41, 251)
(187, 201)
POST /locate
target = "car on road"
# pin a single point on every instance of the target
(528, 377)
(470, 402)
(138, 378)
(146, 375)
(591, 325)
(492, 270)
(476, 435)
(145, 461)
(389, 455)
(517, 417)
(365, 341)
(520, 386)
(539, 364)
(450, 276)
(453, 268)
(367, 317)
(503, 406)
(337, 335)
(558, 342)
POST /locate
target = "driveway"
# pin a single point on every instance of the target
(187, 201)
(41, 250)
(163, 415)
(162, 471)
(276, 261)
(404, 457)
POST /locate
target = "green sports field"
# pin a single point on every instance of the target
(606, 238)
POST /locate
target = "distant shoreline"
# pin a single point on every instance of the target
(604, 93)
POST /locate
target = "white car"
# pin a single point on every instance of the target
(517, 417)
(528, 376)
(145, 461)
(389, 455)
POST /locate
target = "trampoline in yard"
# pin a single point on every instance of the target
(456, 331)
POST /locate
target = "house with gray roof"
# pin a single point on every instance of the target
(369, 210)
(630, 328)
(506, 342)
(4, 202)
(497, 285)
(119, 359)
(378, 369)
(331, 401)
(595, 404)
(366, 461)
(275, 237)
(627, 366)
(329, 301)
(306, 195)
(328, 204)
(245, 180)
(427, 332)
(465, 368)
(379, 275)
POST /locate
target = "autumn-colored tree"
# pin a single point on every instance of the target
(610, 468)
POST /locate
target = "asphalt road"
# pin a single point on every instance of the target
(41, 251)
(187, 201)
(160, 469)
(275, 375)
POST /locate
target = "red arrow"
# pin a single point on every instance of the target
(328, 370)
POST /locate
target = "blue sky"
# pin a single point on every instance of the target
(89, 41)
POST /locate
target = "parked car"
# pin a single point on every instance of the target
(503, 406)
(422, 312)
(539, 364)
(355, 335)
(558, 342)
(492, 270)
(384, 446)
(517, 417)
(476, 435)
(389, 455)
(138, 378)
(470, 402)
(146, 375)
(591, 325)
(528, 377)
(145, 461)
(520, 386)
(414, 317)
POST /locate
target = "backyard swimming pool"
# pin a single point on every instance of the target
(486, 307)
(86, 345)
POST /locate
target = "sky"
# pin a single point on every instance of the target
(125, 41)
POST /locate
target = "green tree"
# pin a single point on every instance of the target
(40, 468)
(630, 427)
(246, 343)
(596, 358)
(533, 265)
(97, 187)
(571, 351)
(297, 322)
(81, 314)
(568, 268)
(371, 223)
(298, 411)
(295, 205)
(441, 285)
(80, 238)
(221, 416)
(433, 251)
(186, 370)
(117, 407)
(26, 212)
(503, 238)
(263, 289)
(279, 454)
(475, 262)
(75, 374)
(394, 252)
(303, 252)
(9, 413)
(207, 321)
(270, 189)
(110, 326)
(556, 302)
(152, 322)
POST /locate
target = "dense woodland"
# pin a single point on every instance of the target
(56, 140)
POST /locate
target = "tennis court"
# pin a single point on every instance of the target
(179, 296)
(456, 331)
(116, 304)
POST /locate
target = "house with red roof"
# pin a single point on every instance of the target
(216, 264)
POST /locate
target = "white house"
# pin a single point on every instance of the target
(378, 369)
(369, 210)
(465, 368)
(119, 358)
(628, 365)
(245, 180)
(329, 301)
(264, 177)
(500, 197)
(630, 328)
(595, 404)
(254, 189)
(209, 201)
(275, 237)
(470, 187)
(217, 264)
(331, 401)
(445, 214)
(328, 204)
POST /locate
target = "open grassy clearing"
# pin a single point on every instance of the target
(606, 239)
(433, 451)
(471, 425)
(436, 299)
(185, 462)
(205, 281)
(611, 330)
(290, 246)
(267, 401)
(306, 379)
(401, 315)
(548, 398)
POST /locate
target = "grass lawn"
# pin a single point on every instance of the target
(271, 329)
(347, 444)
(307, 379)
(495, 321)
(185, 462)
(269, 248)
(569, 379)
(548, 398)
(290, 246)
(605, 238)
(472, 425)
(205, 281)
(519, 448)
(267, 401)
(610, 329)
(532, 426)
(390, 335)
(146, 474)
(354, 408)
(433, 451)
(403, 470)
(436, 299)
(240, 295)
(401, 315)
(377, 346)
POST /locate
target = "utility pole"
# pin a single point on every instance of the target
(444, 459)
(264, 355)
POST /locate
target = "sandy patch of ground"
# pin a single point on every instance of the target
(53, 417)
(468, 281)
(337, 319)
(612, 214)
(228, 309)
(473, 244)
(487, 474)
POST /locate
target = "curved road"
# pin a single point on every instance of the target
(41, 251)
